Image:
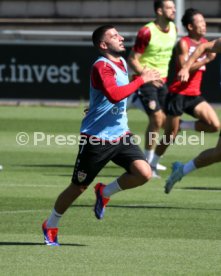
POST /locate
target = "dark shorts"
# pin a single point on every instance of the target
(177, 104)
(152, 98)
(92, 158)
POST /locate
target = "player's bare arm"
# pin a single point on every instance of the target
(153, 76)
(133, 61)
(182, 51)
(183, 74)
(183, 57)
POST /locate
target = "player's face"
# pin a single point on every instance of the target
(199, 25)
(169, 10)
(113, 42)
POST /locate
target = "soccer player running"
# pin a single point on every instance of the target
(105, 133)
(206, 157)
(186, 97)
(153, 48)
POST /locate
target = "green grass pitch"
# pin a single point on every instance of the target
(144, 232)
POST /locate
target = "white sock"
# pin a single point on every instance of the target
(149, 155)
(111, 189)
(155, 160)
(53, 220)
(189, 167)
(184, 125)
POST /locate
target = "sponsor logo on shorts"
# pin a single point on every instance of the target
(152, 105)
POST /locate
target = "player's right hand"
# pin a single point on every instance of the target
(183, 75)
(150, 75)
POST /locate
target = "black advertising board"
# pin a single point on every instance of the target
(211, 84)
(62, 72)
(45, 71)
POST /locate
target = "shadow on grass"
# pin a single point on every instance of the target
(149, 207)
(37, 243)
(202, 188)
(57, 166)
(45, 166)
(70, 175)
(102, 174)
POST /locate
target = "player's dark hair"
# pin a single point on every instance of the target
(188, 17)
(98, 34)
(159, 4)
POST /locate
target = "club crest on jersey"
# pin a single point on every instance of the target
(81, 176)
(115, 110)
(152, 105)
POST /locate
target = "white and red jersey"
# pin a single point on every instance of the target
(192, 87)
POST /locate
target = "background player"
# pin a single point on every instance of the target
(186, 97)
(153, 49)
(209, 156)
